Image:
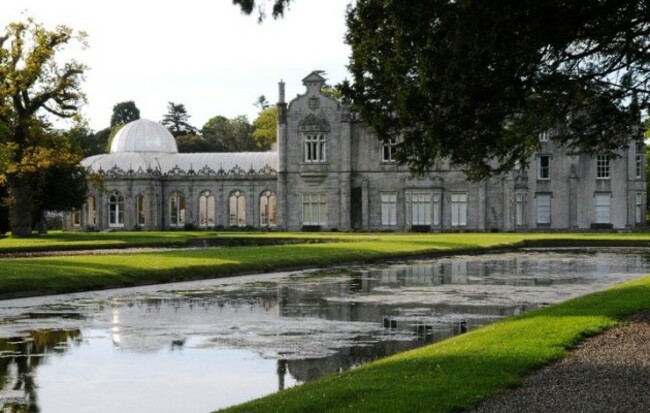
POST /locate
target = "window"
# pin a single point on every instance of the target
(315, 148)
(207, 212)
(237, 209)
(268, 209)
(519, 209)
(602, 167)
(543, 136)
(314, 209)
(544, 167)
(436, 210)
(76, 218)
(603, 208)
(176, 210)
(116, 210)
(140, 210)
(639, 166)
(638, 208)
(389, 148)
(459, 209)
(389, 209)
(421, 209)
(91, 211)
(544, 209)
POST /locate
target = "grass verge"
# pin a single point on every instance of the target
(455, 374)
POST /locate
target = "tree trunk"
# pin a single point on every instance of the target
(20, 207)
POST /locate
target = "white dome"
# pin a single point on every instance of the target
(143, 135)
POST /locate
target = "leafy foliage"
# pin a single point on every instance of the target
(277, 10)
(177, 120)
(124, 112)
(229, 135)
(265, 128)
(477, 83)
(32, 83)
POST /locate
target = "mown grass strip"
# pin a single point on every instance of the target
(457, 373)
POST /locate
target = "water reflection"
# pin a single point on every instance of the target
(249, 336)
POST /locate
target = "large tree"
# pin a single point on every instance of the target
(177, 120)
(124, 112)
(277, 9)
(265, 128)
(229, 135)
(477, 81)
(33, 82)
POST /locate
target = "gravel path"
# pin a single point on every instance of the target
(606, 373)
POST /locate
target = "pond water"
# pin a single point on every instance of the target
(196, 347)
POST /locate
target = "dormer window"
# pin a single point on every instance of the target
(315, 148)
(389, 149)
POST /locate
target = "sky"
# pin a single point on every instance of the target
(204, 54)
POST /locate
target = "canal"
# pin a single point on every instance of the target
(199, 346)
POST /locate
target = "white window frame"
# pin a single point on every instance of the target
(177, 208)
(116, 210)
(436, 202)
(268, 209)
(389, 209)
(544, 208)
(544, 171)
(520, 200)
(315, 147)
(388, 150)
(420, 208)
(603, 208)
(543, 136)
(314, 208)
(237, 209)
(639, 166)
(140, 210)
(459, 209)
(207, 210)
(91, 211)
(602, 167)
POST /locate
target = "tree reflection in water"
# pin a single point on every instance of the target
(19, 359)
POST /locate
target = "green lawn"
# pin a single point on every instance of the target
(46, 275)
(453, 375)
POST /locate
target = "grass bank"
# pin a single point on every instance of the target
(455, 374)
(59, 274)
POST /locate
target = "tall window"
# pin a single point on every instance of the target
(436, 209)
(389, 209)
(602, 167)
(237, 211)
(176, 210)
(207, 210)
(544, 209)
(314, 209)
(459, 209)
(116, 210)
(91, 211)
(638, 208)
(639, 166)
(389, 148)
(544, 167)
(421, 209)
(519, 209)
(140, 210)
(76, 218)
(315, 148)
(268, 209)
(603, 208)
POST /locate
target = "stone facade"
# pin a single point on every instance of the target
(330, 172)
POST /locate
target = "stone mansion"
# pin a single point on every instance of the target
(330, 172)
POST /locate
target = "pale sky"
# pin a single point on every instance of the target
(202, 53)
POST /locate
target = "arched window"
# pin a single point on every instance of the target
(207, 212)
(176, 210)
(116, 210)
(140, 209)
(237, 209)
(268, 209)
(91, 211)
